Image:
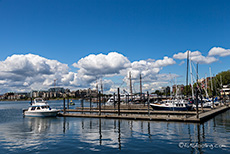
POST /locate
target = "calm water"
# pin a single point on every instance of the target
(20, 134)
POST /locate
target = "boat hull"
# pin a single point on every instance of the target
(167, 108)
(41, 113)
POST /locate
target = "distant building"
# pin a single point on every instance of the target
(86, 93)
(178, 89)
(165, 90)
(225, 90)
(57, 92)
(14, 96)
(57, 89)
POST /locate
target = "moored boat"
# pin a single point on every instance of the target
(71, 103)
(40, 108)
(172, 105)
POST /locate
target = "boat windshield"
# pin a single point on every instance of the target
(38, 100)
(45, 107)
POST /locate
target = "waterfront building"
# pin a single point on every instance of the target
(225, 90)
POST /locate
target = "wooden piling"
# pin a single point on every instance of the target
(148, 102)
(99, 103)
(118, 95)
(64, 105)
(114, 101)
(90, 102)
(67, 102)
(82, 102)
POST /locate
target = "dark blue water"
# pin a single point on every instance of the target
(20, 134)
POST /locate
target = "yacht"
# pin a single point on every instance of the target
(172, 105)
(40, 108)
(207, 103)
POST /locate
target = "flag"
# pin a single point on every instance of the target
(203, 85)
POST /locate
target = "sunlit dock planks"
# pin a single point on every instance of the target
(141, 112)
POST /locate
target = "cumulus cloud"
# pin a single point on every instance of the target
(149, 68)
(107, 84)
(94, 66)
(102, 64)
(31, 71)
(218, 51)
(195, 56)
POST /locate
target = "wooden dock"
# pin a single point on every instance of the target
(141, 113)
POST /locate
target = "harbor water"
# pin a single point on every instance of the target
(25, 135)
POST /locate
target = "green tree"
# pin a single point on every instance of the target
(187, 90)
(158, 93)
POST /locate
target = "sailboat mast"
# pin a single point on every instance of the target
(211, 78)
(206, 86)
(187, 74)
(191, 78)
(140, 87)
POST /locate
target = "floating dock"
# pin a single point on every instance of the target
(140, 112)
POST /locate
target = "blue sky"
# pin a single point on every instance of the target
(68, 30)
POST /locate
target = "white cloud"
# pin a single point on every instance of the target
(195, 56)
(181, 63)
(101, 64)
(94, 66)
(106, 85)
(204, 60)
(149, 69)
(165, 62)
(31, 72)
(218, 51)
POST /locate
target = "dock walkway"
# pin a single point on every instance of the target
(141, 113)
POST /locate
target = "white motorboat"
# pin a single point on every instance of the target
(40, 108)
(207, 103)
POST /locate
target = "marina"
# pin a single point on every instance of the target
(88, 135)
(114, 77)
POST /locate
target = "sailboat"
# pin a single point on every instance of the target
(172, 105)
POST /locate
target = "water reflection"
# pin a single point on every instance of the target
(30, 134)
(117, 133)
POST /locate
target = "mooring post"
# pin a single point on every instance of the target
(97, 99)
(90, 103)
(68, 102)
(114, 101)
(64, 105)
(197, 110)
(118, 95)
(224, 99)
(82, 103)
(144, 99)
(148, 101)
(202, 109)
(99, 103)
(103, 100)
(82, 99)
